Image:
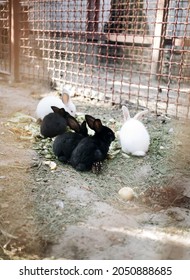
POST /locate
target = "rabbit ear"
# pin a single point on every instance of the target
(126, 114)
(97, 125)
(73, 124)
(55, 109)
(140, 115)
(90, 121)
(63, 113)
(65, 97)
(84, 129)
(60, 111)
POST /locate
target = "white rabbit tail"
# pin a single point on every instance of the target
(133, 135)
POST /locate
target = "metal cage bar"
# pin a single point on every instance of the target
(5, 37)
(116, 51)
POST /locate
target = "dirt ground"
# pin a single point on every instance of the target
(62, 213)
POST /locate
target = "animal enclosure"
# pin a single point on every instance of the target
(104, 51)
(116, 51)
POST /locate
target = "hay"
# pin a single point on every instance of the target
(54, 209)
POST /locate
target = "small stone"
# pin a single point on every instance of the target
(51, 164)
(171, 130)
(126, 193)
(125, 155)
(59, 203)
(48, 156)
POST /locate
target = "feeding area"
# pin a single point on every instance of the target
(87, 215)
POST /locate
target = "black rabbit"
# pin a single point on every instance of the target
(65, 143)
(92, 149)
(54, 123)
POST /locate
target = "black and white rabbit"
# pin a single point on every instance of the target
(65, 143)
(54, 123)
(92, 149)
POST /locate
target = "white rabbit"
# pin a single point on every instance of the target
(44, 105)
(133, 135)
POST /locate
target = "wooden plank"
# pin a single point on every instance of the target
(132, 39)
(14, 22)
(93, 8)
(177, 42)
(180, 42)
(157, 40)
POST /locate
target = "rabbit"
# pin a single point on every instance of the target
(65, 143)
(54, 123)
(133, 135)
(44, 105)
(92, 149)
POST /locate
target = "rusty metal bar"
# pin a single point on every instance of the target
(14, 45)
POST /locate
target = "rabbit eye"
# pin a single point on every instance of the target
(109, 134)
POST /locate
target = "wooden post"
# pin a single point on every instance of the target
(157, 38)
(92, 16)
(15, 39)
(92, 28)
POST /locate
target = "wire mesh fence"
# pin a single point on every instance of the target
(4, 37)
(112, 50)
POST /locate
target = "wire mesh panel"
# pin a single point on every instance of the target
(175, 59)
(4, 37)
(112, 50)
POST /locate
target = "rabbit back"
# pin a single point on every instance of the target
(44, 106)
(134, 138)
(86, 153)
(92, 149)
(64, 145)
(52, 125)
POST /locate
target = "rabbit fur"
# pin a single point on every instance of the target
(133, 135)
(44, 105)
(54, 123)
(92, 149)
(65, 143)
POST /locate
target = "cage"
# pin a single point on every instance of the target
(115, 51)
